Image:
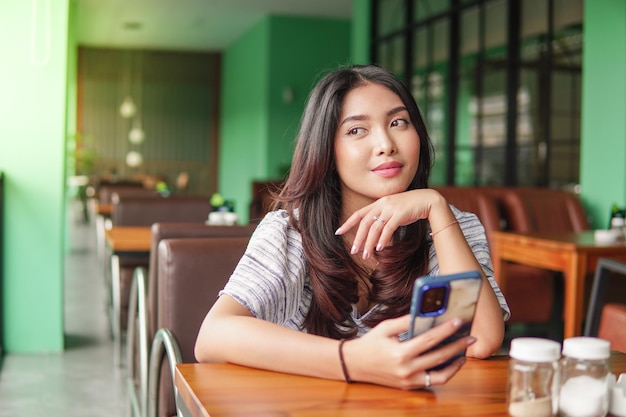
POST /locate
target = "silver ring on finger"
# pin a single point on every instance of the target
(427, 379)
(378, 219)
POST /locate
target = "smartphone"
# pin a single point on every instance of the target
(436, 299)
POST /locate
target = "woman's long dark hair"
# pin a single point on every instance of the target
(312, 196)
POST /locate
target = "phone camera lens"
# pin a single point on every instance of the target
(433, 299)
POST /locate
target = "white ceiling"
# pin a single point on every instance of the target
(207, 25)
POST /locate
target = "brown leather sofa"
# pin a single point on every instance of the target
(191, 272)
(534, 295)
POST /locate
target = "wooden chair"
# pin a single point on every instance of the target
(143, 302)
(606, 319)
(191, 273)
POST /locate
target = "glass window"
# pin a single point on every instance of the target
(534, 19)
(567, 13)
(425, 9)
(392, 55)
(546, 138)
(495, 24)
(391, 16)
(470, 31)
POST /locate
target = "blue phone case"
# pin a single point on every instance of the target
(460, 295)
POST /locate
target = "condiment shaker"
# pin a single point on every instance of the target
(584, 390)
(533, 377)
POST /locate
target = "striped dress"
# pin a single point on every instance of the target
(271, 280)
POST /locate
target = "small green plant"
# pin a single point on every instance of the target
(84, 154)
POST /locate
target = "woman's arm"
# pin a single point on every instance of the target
(455, 255)
(229, 333)
(453, 252)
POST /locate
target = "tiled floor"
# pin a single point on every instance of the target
(81, 381)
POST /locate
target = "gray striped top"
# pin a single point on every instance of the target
(271, 280)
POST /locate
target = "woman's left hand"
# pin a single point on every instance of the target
(377, 221)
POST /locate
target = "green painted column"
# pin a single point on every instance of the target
(266, 76)
(603, 135)
(33, 81)
(360, 40)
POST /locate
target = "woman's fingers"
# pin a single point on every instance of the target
(404, 364)
(376, 222)
(435, 335)
(441, 376)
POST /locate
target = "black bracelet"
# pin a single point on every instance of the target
(346, 376)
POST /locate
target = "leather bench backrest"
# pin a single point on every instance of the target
(105, 192)
(473, 200)
(544, 210)
(161, 231)
(145, 211)
(191, 273)
(129, 210)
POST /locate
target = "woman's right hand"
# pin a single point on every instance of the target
(380, 357)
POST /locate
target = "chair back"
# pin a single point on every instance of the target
(161, 231)
(262, 199)
(145, 211)
(545, 210)
(129, 210)
(474, 200)
(533, 294)
(191, 273)
(106, 190)
(606, 314)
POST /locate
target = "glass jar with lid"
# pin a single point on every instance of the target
(533, 377)
(585, 369)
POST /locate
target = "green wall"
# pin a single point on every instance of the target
(257, 124)
(361, 28)
(603, 135)
(295, 65)
(244, 116)
(32, 148)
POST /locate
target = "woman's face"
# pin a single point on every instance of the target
(376, 146)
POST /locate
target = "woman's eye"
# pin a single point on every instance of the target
(400, 123)
(355, 131)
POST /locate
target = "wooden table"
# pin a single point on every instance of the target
(573, 254)
(129, 239)
(225, 390)
(123, 241)
(104, 209)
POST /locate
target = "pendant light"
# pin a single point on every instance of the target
(134, 159)
(128, 108)
(136, 134)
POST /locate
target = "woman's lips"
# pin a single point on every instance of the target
(388, 169)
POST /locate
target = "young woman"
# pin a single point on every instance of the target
(325, 284)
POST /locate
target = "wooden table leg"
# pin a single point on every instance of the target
(574, 279)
